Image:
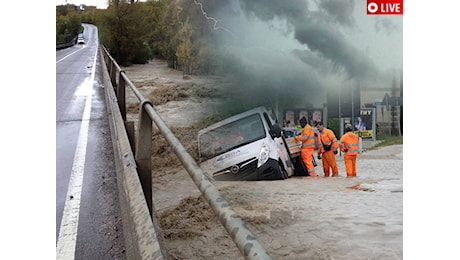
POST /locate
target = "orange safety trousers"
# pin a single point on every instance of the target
(307, 158)
(350, 164)
(329, 162)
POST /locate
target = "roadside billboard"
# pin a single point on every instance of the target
(363, 125)
(291, 117)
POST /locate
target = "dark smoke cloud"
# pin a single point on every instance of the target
(385, 24)
(341, 10)
(288, 52)
(316, 31)
(275, 72)
(268, 10)
(333, 47)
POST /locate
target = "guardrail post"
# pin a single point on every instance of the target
(121, 95)
(113, 75)
(143, 153)
(130, 131)
(111, 64)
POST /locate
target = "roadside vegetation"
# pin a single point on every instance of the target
(68, 23)
(389, 140)
(134, 32)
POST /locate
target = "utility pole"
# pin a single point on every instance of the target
(394, 113)
(340, 105)
(401, 103)
(352, 106)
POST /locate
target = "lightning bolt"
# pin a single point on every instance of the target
(216, 26)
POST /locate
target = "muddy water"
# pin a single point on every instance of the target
(298, 218)
(311, 218)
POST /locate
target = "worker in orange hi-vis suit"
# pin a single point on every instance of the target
(327, 149)
(307, 137)
(350, 146)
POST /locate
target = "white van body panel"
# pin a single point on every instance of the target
(241, 161)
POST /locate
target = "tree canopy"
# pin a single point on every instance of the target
(68, 23)
(136, 32)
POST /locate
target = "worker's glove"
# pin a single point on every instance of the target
(319, 156)
(335, 151)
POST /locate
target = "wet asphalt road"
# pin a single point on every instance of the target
(88, 220)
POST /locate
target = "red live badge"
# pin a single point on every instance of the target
(384, 6)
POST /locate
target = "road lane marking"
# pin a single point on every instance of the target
(67, 239)
(69, 55)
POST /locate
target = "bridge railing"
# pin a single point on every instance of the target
(140, 162)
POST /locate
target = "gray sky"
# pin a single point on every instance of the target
(378, 36)
(336, 29)
(308, 46)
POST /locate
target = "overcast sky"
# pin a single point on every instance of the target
(379, 36)
(335, 30)
(307, 47)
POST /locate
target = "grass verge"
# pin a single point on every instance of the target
(389, 140)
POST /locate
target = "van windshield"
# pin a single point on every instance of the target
(231, 136)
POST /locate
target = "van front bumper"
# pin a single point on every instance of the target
(248, 171)
(270, 171)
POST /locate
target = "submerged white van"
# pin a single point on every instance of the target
(247, 146)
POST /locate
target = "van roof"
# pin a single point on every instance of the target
(260, 110)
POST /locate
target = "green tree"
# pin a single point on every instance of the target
(155, 13)
(124, 32)
(188, 34)
(184, 49)
(174, 30)
(68, 24)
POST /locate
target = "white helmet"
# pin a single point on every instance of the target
(348, 127)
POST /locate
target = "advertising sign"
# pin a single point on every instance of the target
(364, 124)
(291, 117)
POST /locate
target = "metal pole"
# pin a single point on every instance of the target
(352, 107)
(143, 153)
(121, 94)
(374, 125)
(232, 222)
(113, 75)
(340, 106)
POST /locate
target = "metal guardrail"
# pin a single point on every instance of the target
(232, 222)
(140, 233)
(65, 45)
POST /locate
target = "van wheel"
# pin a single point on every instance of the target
(283, 172)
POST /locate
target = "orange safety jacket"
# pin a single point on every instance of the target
(307, 137)
(349, 142)
(327, 137)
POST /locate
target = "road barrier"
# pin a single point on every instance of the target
(143, 235)
(141, 238)
(65, 45)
